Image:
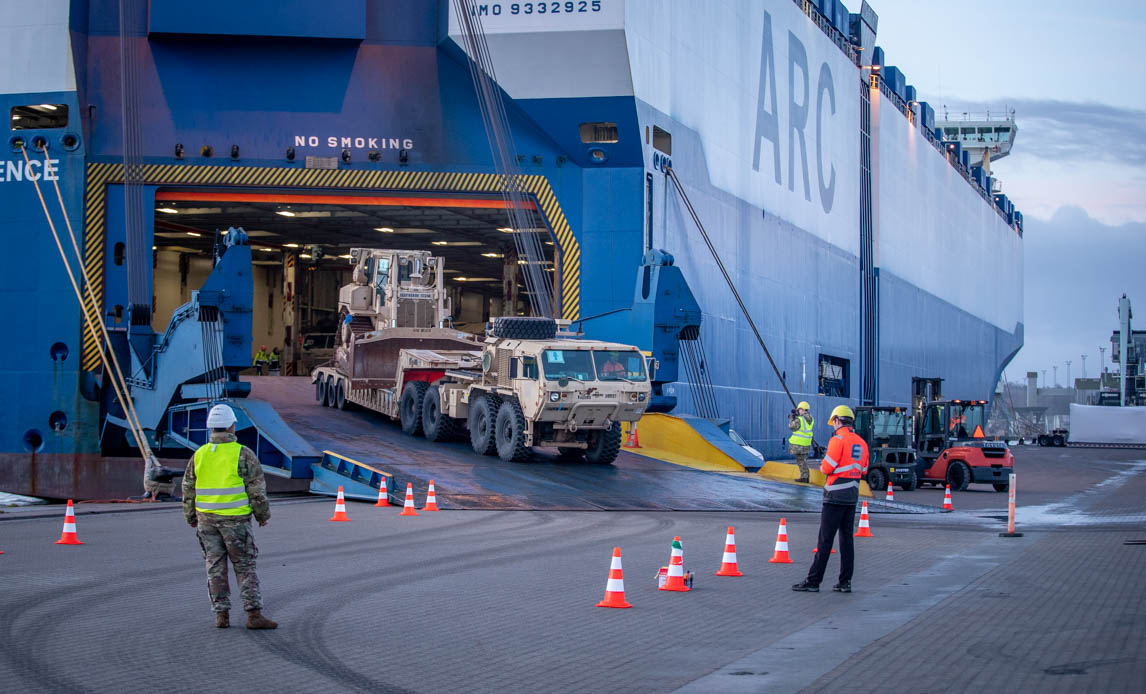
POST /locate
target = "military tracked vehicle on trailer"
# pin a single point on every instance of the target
(524, 385)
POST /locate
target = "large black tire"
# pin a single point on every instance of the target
(331, 390)
(1059, 440)
(525, 328)
(877, 480)
(340, 396)
(958, 476)
(410, 406)
(509, 432)
(1002, 486)
(911, 483)
(437, 425)
(604, 445)
(320, 390)
(1044, 440)
(482, 421)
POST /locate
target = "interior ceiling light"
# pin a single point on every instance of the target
(167, 210)
(267, 249)
(346, 256)
(548, 243)
(477, 279)
(193, 233)
(155, 248)
(384, 230)
(493, 255)
(50, 107)
(291, 245)
(285, 213)
(505, 230)
(304, 255)
(439, 243)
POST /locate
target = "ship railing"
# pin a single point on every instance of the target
(829, 28)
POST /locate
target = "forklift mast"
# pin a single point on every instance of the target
(923, 391)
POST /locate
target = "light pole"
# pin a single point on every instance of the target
(1084, 366)
(1068, 381)
(1055, 367)
(1044, 378)
(1101, 360)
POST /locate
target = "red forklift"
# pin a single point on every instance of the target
(951, 444)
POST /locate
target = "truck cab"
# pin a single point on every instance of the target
(887, 431)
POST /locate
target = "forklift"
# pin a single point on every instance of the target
(950, 442)
(887, 431)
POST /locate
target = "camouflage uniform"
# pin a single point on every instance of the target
(223, 537)
(801, 452)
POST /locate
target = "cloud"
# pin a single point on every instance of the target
(1075, 269)
(1071, 131)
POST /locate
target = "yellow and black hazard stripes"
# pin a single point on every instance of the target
(100, 174)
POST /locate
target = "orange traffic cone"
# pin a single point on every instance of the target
(676, 569)
(890, 493)
(340, 508)
(634, 440)
(865, 525)
(615, 588)
(68, 536)
(780, 555)
(728, 564)
(383, 493)
(431, 499)
(947, 505)
(408, 507)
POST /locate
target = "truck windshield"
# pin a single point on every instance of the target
(966, 418)
(567, 363)
(614, 365)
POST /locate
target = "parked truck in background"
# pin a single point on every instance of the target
(521, 387)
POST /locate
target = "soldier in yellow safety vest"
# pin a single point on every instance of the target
(262, 358)
(222, 488)
(800, 421)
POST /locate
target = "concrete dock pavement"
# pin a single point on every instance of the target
(489, 601)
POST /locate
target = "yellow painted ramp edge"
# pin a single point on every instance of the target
(790, 472)
(669, 438)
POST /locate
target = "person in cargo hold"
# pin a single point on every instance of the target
(845, 463)
(222, 488)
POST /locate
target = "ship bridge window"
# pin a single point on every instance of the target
(599, 133)
(38, 117)
(833, 376)
(662, 140)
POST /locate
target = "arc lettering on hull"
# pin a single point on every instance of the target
(100, 175)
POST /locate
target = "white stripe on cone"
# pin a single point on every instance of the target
(615, 585)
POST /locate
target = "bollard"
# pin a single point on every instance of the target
(1011, 510)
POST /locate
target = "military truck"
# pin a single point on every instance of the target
(523, 385)
(887, 431)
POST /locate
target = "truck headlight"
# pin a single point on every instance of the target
(642, 396)
(554, 396)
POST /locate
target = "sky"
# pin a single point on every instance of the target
(1075, 74)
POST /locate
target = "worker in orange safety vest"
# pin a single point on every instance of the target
(845, 463)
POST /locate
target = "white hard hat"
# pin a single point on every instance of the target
(220, 417)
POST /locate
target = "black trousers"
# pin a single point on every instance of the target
(834, 518)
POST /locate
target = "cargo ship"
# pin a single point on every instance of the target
(866, 243)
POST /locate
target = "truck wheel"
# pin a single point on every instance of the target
(911, 483)
(877, 480)
(958, 476)
(331, 385)
(320, 390)
(604, 445)
(1002, 486)
(509, 432)
(1059, 440)
(410, 407)
(483, 415)
(436, 424)
(524, 328)
(1044, 440)
(340, 396)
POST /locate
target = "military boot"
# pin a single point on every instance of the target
(256, 620)
(222, 620)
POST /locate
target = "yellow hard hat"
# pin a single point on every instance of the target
(842, 411)
(804, 405)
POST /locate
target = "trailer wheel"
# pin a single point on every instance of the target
(410, 407)
(340, 396)
(911, 483)
(958, 476)
(436, 424)
(483, 416)
(331, 385)
(525, 328)
(1044, 440)
(1059, 440)
(877, 480)
(604, 445)
(320, 390)
(509, 432)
